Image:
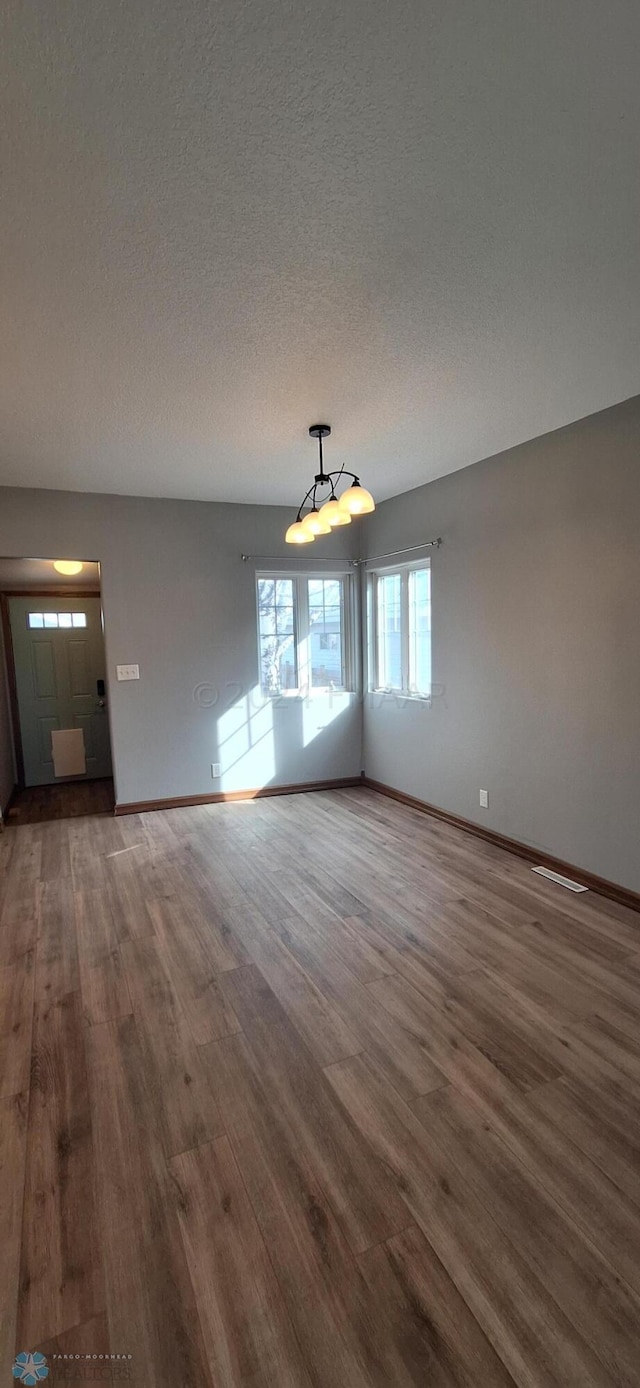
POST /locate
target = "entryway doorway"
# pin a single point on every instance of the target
(57, 681)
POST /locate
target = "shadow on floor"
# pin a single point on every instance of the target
(67, 800)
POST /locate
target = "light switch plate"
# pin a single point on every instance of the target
(484, 799)
(128, 672)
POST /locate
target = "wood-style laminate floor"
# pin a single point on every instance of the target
(315, 1090)
(64, 800)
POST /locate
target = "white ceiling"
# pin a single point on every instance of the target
(40, 573)
(224, 220)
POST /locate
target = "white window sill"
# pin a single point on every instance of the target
(298, 696)
(402, 695)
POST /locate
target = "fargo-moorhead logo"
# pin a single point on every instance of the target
(30, 1367)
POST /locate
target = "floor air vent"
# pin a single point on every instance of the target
(562, 881)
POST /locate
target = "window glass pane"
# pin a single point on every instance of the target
(388, 620)
(420, 631)
(276, 621)
(57, 619)
(325, 633)
(316, 592)
(266, 592)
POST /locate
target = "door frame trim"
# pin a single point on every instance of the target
(14, 706)
(13, 688)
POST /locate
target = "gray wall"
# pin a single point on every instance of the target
(7, 766)
(536, 648)
(536, 645)
(179, 601)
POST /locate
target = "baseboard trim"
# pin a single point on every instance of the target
(222, 797)
(623, 895)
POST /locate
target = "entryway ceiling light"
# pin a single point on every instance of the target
(68, 567)
(336, 509)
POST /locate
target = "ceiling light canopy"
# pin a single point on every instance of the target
(336, 509)
(68, 567)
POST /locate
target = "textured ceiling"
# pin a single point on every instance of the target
(223, 220)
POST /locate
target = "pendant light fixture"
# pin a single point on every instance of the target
(335, 510)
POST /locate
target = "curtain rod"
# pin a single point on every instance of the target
(391, 554)
(296, 558)
(353, 563)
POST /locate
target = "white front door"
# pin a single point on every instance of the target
(58, 649)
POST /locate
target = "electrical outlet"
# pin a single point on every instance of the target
(215, 770)
(484, 799)
(127, 672)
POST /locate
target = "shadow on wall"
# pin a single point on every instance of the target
(258, 738)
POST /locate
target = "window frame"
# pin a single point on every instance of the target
(302, 631)
(404, 690)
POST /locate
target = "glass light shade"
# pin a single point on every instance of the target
(297, 535)
(315, 525)
(332, 513)
(357, 501)
(68, 566)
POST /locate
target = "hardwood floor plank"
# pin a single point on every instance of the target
(19, 926)
(614, 1044)
(393, 1045)
(248, 1336)
(91, 1338)
(150, 1303)
(582, 1284)
(22, 878)
(365, 1202)
(309, 1253)
(126, 897)
(13, 1150)
(327, 1034)
(575, 1182)
(514, 1055)
(185, 1108)
(214, 903)
(504, 947)
(61, 1281)
(425, 1332)
(373, 1120)
(188, 963)
(599, 1125)
(57, 971)
(103, 983)
(532, 1337)
(557, 1043)
(66, 800)
(16, 1018)
(55, 857)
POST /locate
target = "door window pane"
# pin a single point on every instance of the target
(54, 620)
